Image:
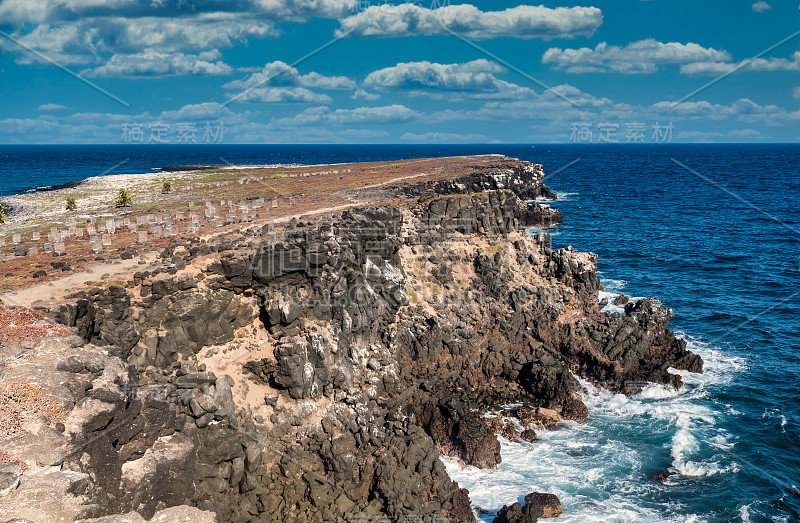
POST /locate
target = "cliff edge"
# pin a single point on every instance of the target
(316, 370)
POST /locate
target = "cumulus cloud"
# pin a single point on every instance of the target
(743, 109)
(760, 7)
(154, 64)
(278, 82)
(283, 95)
(757, 64)
(51, 107)
(474, 79)
(69, 44)
(639, 57)
(48, 11)
(362, 94)
(281, 74)
(89, 40)
(554, 105)
(523, 21)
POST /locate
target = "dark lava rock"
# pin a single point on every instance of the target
(659, 476)
(517, 513)
(537, 505)
(547, 505)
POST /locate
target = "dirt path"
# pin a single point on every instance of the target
(56, 290)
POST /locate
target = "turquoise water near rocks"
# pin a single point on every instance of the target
(720, 246)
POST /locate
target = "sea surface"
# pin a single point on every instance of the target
(718, 241)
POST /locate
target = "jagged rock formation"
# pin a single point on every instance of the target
(537, 505)
(316, 372)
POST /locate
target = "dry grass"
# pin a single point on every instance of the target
(6, 457)
(299, 189)
(21, 402)
(18, 324)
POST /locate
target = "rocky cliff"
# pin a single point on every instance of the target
(317, 371)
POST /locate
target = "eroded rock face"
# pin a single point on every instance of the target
(526, 180)
(371, 342)
(537, 505)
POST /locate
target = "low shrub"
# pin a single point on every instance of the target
(124, 198)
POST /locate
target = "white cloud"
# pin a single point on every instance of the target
(546, 117)
(89, 40)
(326, 82)
(362, 94)
(472, 79)
(51, 107)
(796, 92)
(280, 74)
(643, 56)
(154, 64)
(434, 137)
(208, 111)
(716, 136)
(555, 105)
(200, 32)
(48, 11)
(361, 115)
(523, 21)
(757, 64)
(744, 110)
(69, 44)
(278, 82)
(760, 7)
(282, 95)
(303, 9)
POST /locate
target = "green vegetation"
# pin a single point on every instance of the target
(394, 166)
(166, 187)
(435, 289)
(124, 198)
(278, 176)
(411, 294)
(491, 250)
(3, 215)
(71, 203)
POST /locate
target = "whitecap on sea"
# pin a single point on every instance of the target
(599, 469)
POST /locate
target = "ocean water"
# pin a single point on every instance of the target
(720, 246)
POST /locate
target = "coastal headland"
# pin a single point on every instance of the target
(299, 343)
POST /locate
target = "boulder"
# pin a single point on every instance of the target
(547, 505)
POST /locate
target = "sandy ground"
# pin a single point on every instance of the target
(55, 291)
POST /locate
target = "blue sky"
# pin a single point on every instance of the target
(331, 71)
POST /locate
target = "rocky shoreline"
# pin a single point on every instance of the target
(317, 371)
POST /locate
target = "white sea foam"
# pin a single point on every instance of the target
(613, 285)
(559, 463)
(744, 513)
(596, 468)
(566, 196)
(612, 289)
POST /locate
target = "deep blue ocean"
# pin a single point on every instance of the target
(720, 246)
